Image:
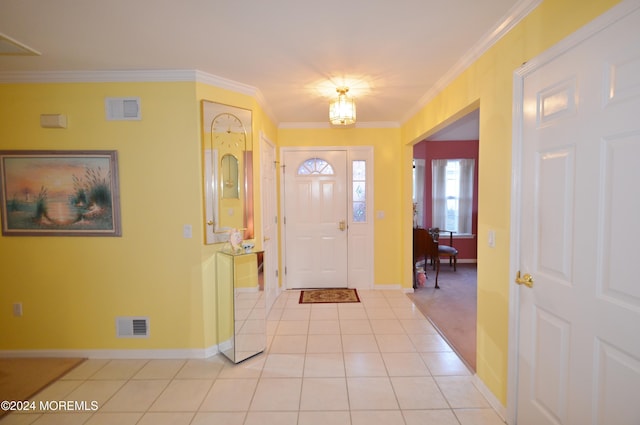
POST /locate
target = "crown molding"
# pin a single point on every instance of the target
(224, 83)
(265, 107)
(511, 19)
(136, 76)
(133, 76)
(518, 12)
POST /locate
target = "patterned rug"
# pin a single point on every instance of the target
(333, 295)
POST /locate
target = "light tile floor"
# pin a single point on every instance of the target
(378, 362)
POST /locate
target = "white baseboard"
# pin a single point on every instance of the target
(194, 353)
(493, 401)
(225, 345)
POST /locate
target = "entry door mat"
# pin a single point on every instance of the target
(331, 295)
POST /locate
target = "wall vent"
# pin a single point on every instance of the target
(132, 327)
(122, 108)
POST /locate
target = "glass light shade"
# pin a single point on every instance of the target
(342, 110)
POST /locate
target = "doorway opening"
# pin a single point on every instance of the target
(327, 206)
(441, 192)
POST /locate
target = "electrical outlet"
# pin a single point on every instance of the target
(187, 231)
(17, 309)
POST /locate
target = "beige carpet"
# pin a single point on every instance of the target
(453, 308)
(22, 378)
(334, 295)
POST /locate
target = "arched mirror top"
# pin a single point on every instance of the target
(228, 132)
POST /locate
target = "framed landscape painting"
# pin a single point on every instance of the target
(60, 193)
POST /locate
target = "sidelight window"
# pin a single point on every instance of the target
(359, 192)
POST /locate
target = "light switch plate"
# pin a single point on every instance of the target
(491, 239)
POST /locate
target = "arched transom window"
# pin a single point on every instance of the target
(315, 166)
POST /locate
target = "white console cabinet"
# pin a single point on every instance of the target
(240, 304)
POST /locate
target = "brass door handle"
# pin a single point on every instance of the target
(265, 239)
(210, 222)
(342, 225)
(526, 280)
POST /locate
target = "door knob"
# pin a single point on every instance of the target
(210, 222)
(342, 225)
(526, 280)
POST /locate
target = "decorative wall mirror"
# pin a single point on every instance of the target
(227, 144)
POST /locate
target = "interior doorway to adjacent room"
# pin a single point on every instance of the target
(441, 199)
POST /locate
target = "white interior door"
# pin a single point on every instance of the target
(315, 200)
(579, 346)
(269, 220)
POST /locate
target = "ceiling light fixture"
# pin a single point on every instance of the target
(342, 109)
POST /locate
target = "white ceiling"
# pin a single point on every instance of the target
(393, 55)
(464, 128)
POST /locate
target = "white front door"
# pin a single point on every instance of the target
(315, 199)
(268, 187)
(579, 343)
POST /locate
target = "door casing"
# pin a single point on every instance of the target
(269, 219)
(361, 235)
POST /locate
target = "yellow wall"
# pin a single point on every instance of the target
(488, 83)
(388, 256)
(72, 288)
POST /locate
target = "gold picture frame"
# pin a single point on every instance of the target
(59, 193)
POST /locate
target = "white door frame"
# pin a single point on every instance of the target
(617, 12)
(359, 273)
(265, 144)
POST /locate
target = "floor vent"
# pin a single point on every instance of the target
(132, 327)
(122, 108)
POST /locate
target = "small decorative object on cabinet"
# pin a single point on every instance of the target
(241, 305)
(248, 246)
(235, 239)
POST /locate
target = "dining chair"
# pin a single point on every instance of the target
(445, 250)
